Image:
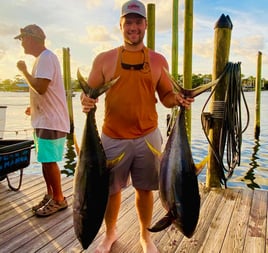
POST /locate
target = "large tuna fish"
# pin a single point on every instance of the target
(91, 181)
(178, 187)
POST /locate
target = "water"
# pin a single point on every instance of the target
(252, 172)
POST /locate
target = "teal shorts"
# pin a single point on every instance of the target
(49, 150)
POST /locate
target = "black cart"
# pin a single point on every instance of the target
(14, 155)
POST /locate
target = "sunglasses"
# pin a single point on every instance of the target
(133, 66)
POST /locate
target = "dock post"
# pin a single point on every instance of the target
(222, 41)
(71, 137)
(175, 40)
(174, 60)
(151, 26)
(68, 85)
(258, 97)
(187, 58)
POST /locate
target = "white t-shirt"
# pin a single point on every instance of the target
(49, 111)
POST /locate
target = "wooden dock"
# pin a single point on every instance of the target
(232, 220)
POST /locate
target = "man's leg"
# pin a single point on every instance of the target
(52, 177)
(144, 206)
(111, 214)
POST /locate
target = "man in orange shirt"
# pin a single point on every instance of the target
(131, 117)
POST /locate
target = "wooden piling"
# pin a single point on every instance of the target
(151, 26)
(258, 97)
(174, 59)
(68, 85)
(222, 41)
(188, 54)
(71, 137)
(175, 40)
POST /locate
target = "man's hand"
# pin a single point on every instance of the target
(22, 66)
(28, 111)
(87, 102)
(186, 102)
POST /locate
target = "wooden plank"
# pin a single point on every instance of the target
(128, 200)
(235, 235)
(26, 182)
(21, 208)
(256, 234)
(126, 223)
(207, 213)
(31, 195)
(130, 240)
(220, 222)
(28, 226)
(158, 213)
(53, 238)
(227, 223)
(29, 229)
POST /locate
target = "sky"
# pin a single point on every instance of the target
(88, 27)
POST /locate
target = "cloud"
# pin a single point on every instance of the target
(90, 26)
(90, 4)
(8, 30)
(99, 33)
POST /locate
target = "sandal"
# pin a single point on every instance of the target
(51, 207)
(41, 203)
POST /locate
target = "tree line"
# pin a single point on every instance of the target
(19, 83)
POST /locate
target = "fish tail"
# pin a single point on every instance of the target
(94, 92)
(163, 223)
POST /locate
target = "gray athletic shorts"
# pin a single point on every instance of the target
(138, 162)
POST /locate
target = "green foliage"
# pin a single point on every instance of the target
(197, 79)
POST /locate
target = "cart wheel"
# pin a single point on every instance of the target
(20, 181)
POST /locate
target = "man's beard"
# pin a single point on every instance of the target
(134, 43)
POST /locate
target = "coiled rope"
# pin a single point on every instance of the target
(229, 110)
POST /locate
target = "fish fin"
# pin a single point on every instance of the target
(163, 223)
(153, 149)
(176, 86)
(198, 90)
(112, 163)
(83, 84)
(98, 91)
(200, 166)
(94, 92)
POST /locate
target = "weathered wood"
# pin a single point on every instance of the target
(213, 198)
(256, 233)
(237, 228)
(151, 26)
(188, 58)
(220, 222)
(231, 220)
(222, 42)
(257, 123)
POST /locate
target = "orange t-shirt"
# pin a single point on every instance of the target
(130, 110)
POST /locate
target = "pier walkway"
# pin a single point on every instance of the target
(231, 220)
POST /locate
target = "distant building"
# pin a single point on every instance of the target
(22, 85)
